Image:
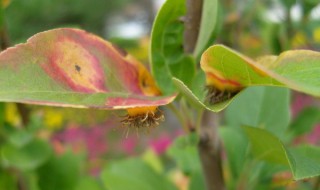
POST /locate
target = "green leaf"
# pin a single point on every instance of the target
(267, 107)
(198, 101)
(20, 138)
(28, 157)
(304, 162)
(133, 174)
(235, 144)
(7, 181)
(229, 70)
(305, 121)
(167, 57)
(153, 160)
(208, 26)
(61, 172)
(185, 152)
(72, 68)
(89, 183)
(197, 181)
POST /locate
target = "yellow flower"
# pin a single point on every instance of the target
(53, 119)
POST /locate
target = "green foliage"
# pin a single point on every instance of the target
(305, 121)
(255, 106)
(304, 161)
(68, 67)
(184, 152)
(266, 107)
(27, 157)
(60, 172)
(166, 54)
(133, 174)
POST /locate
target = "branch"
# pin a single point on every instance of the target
(210, 152)
(209, 145)
(192, 24)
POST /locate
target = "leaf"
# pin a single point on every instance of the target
(229, 70)
(235, 144)
(7, 181)
(305, 121)
(208, 26)
(71, 68)
(185, 153)
(20, 138)
(28, 157)
(304, 161)
(61, 172)
(196, 101)
(197, 181)
(166, 54)
(88, 183)
(267, 107)
(133, 174)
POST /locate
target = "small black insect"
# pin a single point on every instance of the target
(77, 67)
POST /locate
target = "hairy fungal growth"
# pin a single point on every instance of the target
(144, 118)
(214, 95)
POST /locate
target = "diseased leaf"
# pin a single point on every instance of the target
(228, 70)
(72, 68)
(304, 161)
(166, 54)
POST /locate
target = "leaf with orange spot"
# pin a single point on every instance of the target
(228, 72)
(72, 68)
(227, 69)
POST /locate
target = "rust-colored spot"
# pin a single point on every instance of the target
(222, 83)
(67, 59)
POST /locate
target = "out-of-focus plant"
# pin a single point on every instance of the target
(254, 145)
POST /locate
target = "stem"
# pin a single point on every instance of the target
(210, 152)
(192, 24)
(209, 145)
(4, 44)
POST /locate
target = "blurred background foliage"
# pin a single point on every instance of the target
(75, 149)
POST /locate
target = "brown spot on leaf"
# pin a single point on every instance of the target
(77, 67)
